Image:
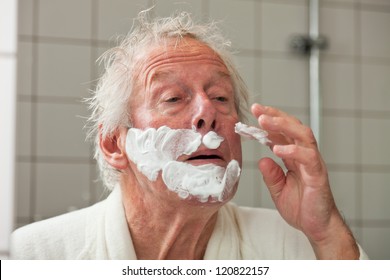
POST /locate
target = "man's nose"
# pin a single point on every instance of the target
(205, 114)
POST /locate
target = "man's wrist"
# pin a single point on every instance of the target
(340, 244)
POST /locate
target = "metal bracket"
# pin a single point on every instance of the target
(303, 44)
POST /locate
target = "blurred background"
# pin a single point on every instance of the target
(60, 40)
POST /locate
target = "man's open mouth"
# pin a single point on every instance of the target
(205, 157)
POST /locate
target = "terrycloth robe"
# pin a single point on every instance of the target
(101, 232)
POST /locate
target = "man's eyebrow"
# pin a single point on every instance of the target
(159, 75)
(224, 74)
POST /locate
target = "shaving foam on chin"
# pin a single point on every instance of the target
(204, 181)
(153, 150)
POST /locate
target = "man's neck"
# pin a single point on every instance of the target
(167, 228)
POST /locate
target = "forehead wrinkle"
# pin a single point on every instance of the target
(150, 74)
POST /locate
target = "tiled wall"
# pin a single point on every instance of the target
(60, 40)
(8, 60)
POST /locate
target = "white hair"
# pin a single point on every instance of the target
(109, 103)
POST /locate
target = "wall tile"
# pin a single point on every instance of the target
(60, 131)
(165, 8)
(23, 129)
(61, 188)
(357, 233)
(97, 64)
(23, 190)
(375, 2)
(375, 87)
(266, 152)
(338, 85)
(25, 17)
(302, 116)
(376, 194)
(338, 140)
(25, 69)
(279, 22)
(245, 195)
(284, 82)
(237, 20)
(375, 141)
(340, 1)
(375, 39)
(252, 150)
(375, 242)
(246, 67)
(64, 70)
(97, 188)
(65, 19)
(115, 17)
(344, 189)
(265, 197)
(338, 26)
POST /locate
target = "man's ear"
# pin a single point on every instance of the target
(113, 148)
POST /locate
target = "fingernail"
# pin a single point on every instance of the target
(279, 148)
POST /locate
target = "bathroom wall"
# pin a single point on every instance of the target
(8, 58)
(60, 40)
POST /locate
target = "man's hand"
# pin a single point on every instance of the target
(302, 195)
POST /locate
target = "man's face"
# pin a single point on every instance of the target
(187, 85)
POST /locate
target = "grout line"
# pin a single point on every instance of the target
(205, 8)
(286, 2)
(51, 99)
(381, 8)
(257, 66)
(356, 113)
(358, 145)
(34, 110)
(55, 159)
(336, 4)
(368, 114)
(258, 82)
(359, 168)
(241, 51)
(369, 223)
(374, 60)
(341, 58)
(94, 73)
(64, 40)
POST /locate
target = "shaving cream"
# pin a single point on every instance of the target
(154, 150)
(212, 140)
(251, 132)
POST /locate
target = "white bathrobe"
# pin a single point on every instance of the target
(101, 232)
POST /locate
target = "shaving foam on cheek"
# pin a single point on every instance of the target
(153, 150)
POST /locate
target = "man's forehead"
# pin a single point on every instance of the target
(163, 75)
(156, 62)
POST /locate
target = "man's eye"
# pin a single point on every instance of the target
(221, 99)
(172, 99)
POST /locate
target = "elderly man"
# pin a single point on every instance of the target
(163, 118)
